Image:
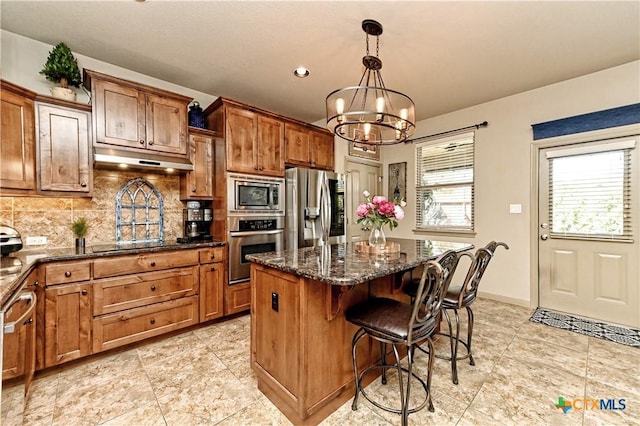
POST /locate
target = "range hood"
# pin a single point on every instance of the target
(124, 160)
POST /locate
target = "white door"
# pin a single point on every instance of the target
(359, 177)
(588, 230)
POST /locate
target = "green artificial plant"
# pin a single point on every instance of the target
(62, 67)
(80, 227)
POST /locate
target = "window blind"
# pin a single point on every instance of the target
(444, 183)
(590, 195)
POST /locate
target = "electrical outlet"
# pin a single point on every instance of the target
(36, 241)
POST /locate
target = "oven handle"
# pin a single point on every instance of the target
(31, 297)
(250, 233)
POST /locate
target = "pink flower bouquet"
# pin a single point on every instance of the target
(378, 211)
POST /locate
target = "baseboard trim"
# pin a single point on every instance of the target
(505, 299)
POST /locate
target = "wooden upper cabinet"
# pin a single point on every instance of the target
(198, 184)
(166, 125)
(64, 149)
(309, 147)
(255, 142)
(136, 116)
(17, 147)
(322, 150)
(270, 146)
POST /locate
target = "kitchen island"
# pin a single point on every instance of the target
(300, 340)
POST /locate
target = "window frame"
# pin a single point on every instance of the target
(440, 229)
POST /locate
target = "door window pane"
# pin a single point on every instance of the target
(589, 195)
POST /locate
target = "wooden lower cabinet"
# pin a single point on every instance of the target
(132, 325)
(68, 319)
(237, 298)
(211, 286)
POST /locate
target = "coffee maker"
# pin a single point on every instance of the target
(197, 225)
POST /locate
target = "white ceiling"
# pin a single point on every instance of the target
(444, 55)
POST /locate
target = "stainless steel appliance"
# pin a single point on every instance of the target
(10, 240)
(17, 325)
(197, 225)
(314, 208)
(250, 235)
(254, 194)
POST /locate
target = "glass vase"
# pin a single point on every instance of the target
(377, 237)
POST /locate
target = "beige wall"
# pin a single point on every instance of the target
(502, 164)
(51, 217)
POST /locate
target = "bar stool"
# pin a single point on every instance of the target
(462, 296)
(403, 325)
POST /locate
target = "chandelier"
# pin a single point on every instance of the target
(369, 113)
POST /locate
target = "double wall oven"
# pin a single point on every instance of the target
(255, 215)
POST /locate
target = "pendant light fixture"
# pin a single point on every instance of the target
(369, 113)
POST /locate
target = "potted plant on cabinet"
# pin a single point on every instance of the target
(80, 227)
(62, 67)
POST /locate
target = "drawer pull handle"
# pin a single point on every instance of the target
(84, 292)
(153, 288)
(153, 264)
(67, 274)
(152, 321)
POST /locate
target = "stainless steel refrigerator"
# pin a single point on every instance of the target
(314, 208)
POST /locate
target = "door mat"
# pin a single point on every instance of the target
(613, 333)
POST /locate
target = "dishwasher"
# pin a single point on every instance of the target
(17, 341)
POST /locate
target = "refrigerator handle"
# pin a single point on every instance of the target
(325, 208)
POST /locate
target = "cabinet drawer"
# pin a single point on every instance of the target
(124, 265)
(214, 254)
(67, 272)
(132, 291)
(113, 330)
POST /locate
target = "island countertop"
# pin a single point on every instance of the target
(342, 265)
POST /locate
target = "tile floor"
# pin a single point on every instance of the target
(203, 377)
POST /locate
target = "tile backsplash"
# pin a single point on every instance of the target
(51, 217)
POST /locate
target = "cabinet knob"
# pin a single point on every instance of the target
(67, 274)
(152, 321)
(29, 321)
(193, 189)
(213, 268)
(83, 184)
(84, 292)
(36, 283)
(141, 141)
(153, 263)
(213, 256)
(150, 142)
(153, 288)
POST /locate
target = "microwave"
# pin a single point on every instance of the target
(247, 194)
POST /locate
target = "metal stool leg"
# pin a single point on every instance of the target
(383, 353)
(429, 373)
(470, 334)
(356, 337)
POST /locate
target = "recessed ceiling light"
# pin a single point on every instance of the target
(301, 72)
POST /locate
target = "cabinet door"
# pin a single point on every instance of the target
(199, 183)
(270, 158)
(18, 347)
(166, 121)
(322, 150)
(67, 322)
(64, 149)
(17, 150)
(240, 133)
(237, 298)
(211, 286)
(297, 145)
(120, 115)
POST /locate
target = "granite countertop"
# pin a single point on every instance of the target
(18, 265)
(341, 264)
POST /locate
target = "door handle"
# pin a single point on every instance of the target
(544, 237)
